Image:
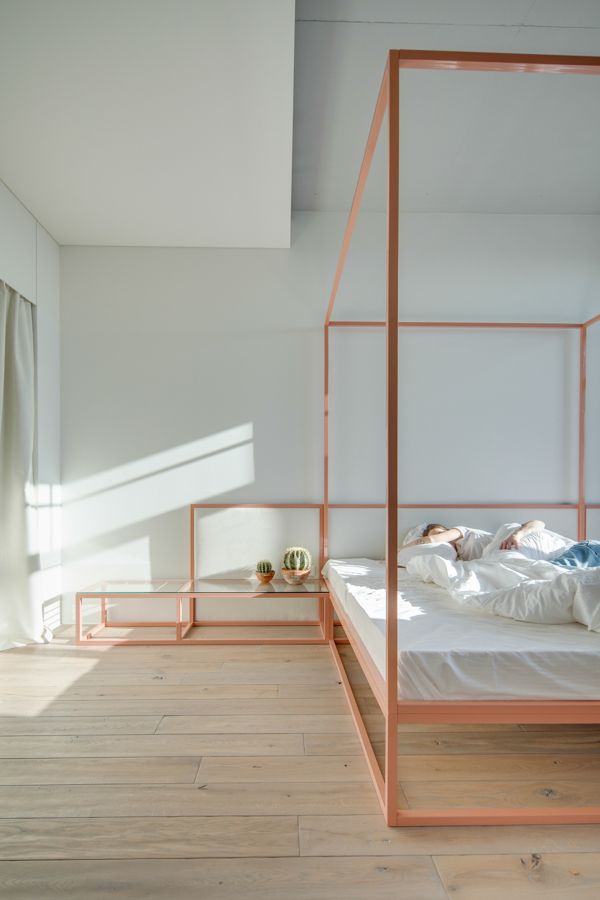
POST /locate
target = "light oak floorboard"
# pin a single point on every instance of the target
(88, 660)
(181, 653)
(45, 746)
(78, 725)
(551, 793)
(160, 770)
(210, 658)
(376, 724)
(201, 799)
(369, 878)
(477, 743)
(157, 691)
(34, 707)
(303, 690)
(339, 835)
(305, 724)
(288, 675)
(471, 767)
(183, 837)
(558, 876)
(295, 768)
(91, 661)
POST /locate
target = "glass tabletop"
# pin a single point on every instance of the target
(211, 585)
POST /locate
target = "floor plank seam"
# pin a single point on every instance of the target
(197, 771)
(251, 815)
(200, 815)
(124, 859)
(439, 876)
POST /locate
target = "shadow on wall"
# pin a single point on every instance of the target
(131, 522)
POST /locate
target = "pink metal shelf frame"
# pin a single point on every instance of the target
(323, 606)
(182, 625)
(386, 689)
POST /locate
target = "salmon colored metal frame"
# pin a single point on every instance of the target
(183, 626)
(323, 606)
(385, 689)
(83, 636)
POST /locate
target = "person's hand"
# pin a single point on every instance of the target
(512, 541)
(425, 540)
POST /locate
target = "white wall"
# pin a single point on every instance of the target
(188, 375)
(484, 416)
(478, 267)
(18, 266)
(193, 375)
(29, 262)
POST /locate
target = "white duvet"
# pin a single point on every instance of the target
(508, 584)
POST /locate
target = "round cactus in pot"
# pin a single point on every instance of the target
(296, 565)
(264, 571)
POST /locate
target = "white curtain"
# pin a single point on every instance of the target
(20, 621)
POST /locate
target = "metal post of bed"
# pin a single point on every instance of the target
(385, 689)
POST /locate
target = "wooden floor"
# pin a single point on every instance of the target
(222, 772)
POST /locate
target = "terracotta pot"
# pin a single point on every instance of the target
(265, 577)
(295, 576)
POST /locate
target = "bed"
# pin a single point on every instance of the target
(448, 653)
(559, 694)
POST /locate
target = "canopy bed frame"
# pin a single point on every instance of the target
(385, 689)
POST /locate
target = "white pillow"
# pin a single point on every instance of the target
(405, 554)
(413, 533)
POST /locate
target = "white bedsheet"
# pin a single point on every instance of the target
(446, 652)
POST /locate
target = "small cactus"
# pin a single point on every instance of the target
(264, 566)
(297, 558)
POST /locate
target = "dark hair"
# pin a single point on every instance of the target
(430, 527)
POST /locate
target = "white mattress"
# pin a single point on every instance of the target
(448, 653)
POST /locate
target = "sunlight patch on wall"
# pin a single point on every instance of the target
(158, 484)
(44, 521)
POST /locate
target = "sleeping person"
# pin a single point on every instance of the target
(523, 572)
(469, 543)
(531, 539)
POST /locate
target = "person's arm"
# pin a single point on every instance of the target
(442, 537)
(513, 540)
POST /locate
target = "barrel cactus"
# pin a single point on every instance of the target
(264, 566)
(297, 559)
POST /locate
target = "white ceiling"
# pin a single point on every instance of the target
(481, 142)
(169, 122)
(150, 122)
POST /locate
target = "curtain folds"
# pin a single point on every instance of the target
(20, 621)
